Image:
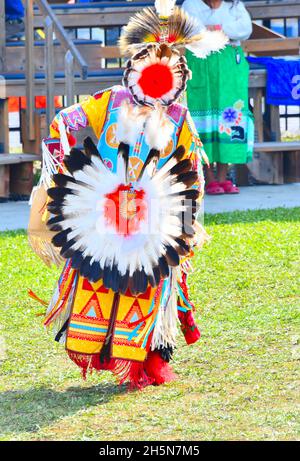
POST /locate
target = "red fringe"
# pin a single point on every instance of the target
(154, 371)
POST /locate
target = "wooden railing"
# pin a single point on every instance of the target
(54, 21)
(51, 26)
(95, 15)
(107, 17)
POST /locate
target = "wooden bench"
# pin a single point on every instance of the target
(276, 162)
(16, 174)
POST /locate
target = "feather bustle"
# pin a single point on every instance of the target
(96, 258)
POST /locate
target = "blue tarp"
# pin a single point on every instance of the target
(14, 9)
(283, 80)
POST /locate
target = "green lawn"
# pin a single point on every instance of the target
(241, 381)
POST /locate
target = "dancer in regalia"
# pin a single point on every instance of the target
(122, 214)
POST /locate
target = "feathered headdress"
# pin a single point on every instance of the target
(157, 71)
(169, 25)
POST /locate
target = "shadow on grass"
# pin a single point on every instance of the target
(30, 410)
(252, 216)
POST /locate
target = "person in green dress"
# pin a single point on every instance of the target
(217, 95)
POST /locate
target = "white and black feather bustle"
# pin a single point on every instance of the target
(95, 249)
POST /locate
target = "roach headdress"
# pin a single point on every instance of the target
(154, 38)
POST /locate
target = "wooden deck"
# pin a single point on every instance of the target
(86, 74)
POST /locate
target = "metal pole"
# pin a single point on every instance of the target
(30, 70)
(69, 76)
(49, 67)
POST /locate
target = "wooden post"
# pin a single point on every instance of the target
(30, 102)
(49, 66)
(275, 123)
(4, 148)
(258, 115)
(277, 158)
(69, 76)
(21, 179)
(4, 128)
(2, 35)
(31, 146)
(292, 166)
(21, 175)
(266, 167)
(258, 167)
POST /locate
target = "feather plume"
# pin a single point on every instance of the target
(145, 27)
(164, 8)
(208, 42)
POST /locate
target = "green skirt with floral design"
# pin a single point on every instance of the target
(217, 98)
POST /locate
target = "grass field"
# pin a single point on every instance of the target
(240, 382)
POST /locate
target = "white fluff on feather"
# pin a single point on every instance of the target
(130, 123)
(159, 129)
(164, 7)
(211, 41)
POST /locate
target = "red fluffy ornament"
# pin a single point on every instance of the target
(157, 370)
(156, 80)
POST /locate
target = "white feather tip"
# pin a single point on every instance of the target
(164, 8)
(210, 42)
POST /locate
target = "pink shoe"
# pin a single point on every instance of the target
(214, 188)
(229, 187)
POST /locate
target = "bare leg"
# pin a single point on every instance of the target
(222, 169)
(209, 174)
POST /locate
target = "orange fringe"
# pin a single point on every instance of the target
(36, 298)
